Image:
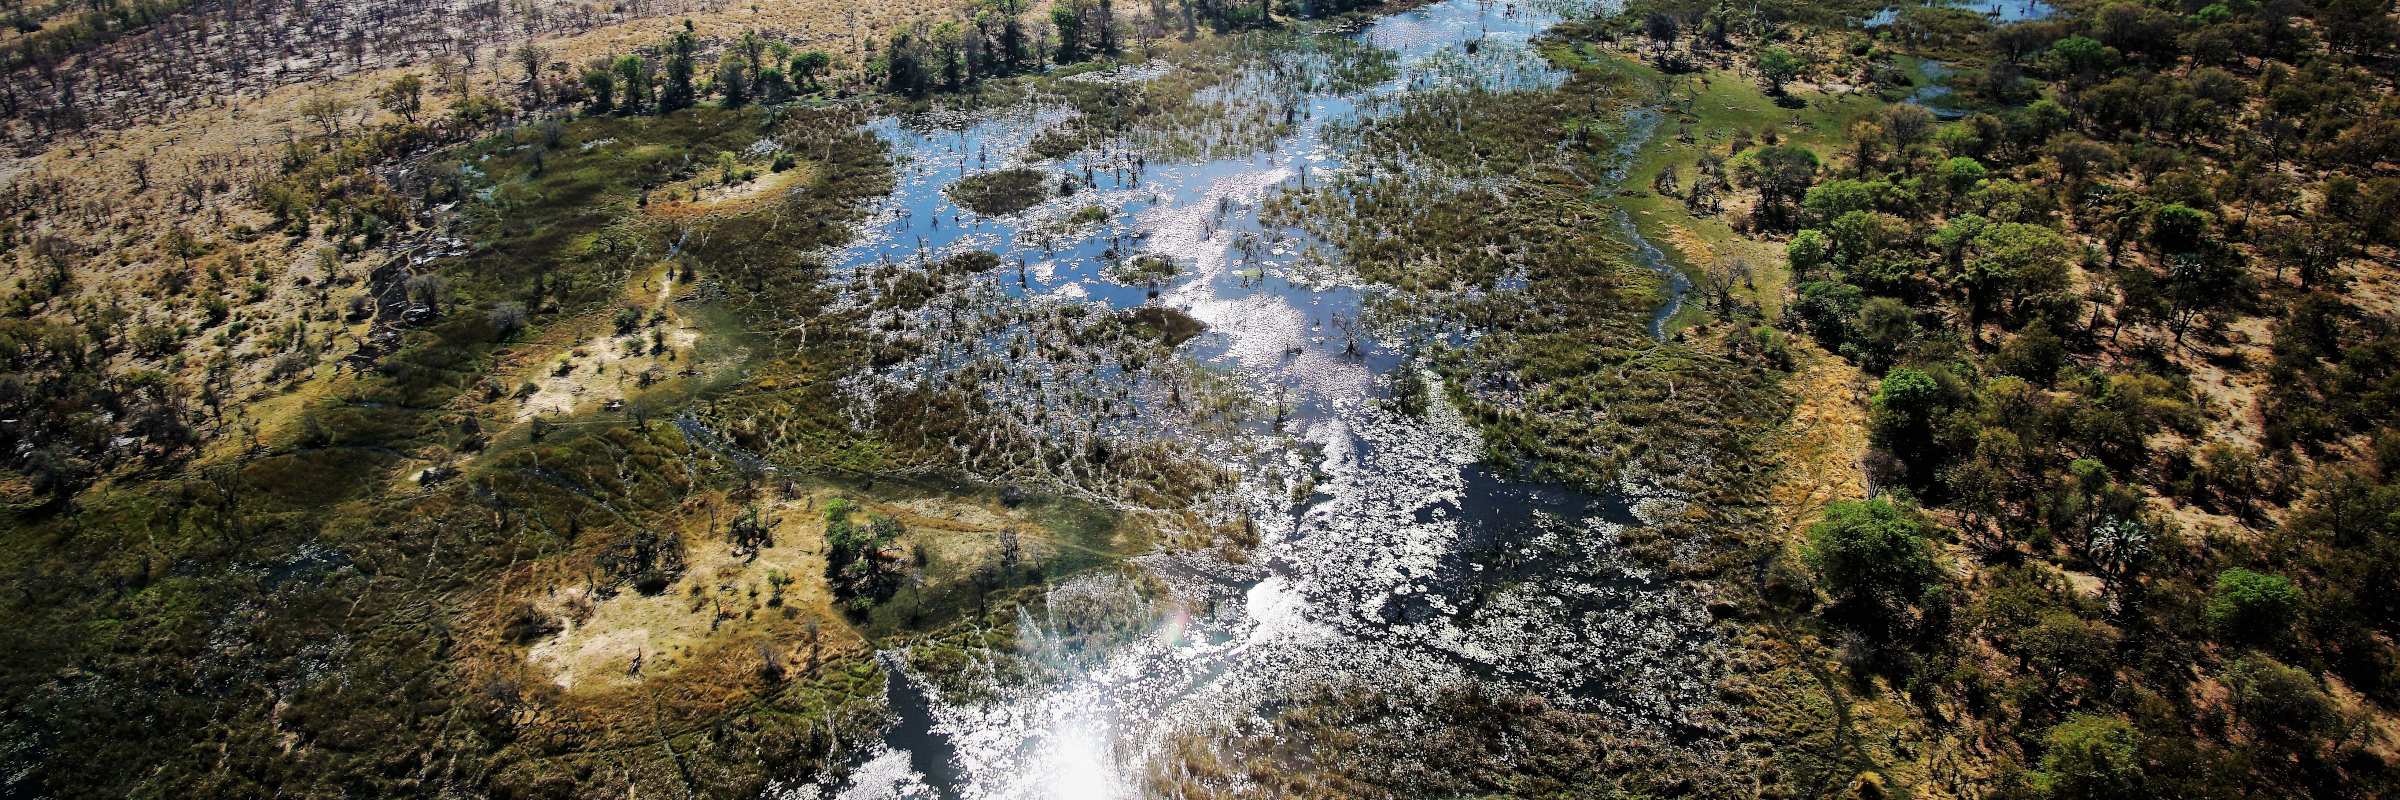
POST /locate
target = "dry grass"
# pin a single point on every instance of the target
(235, 131)
(1824, 445)
(608, 366)
(722, 609)
(707, 195)
(709, 626)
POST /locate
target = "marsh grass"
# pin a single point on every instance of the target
(374, 616)
(1001, 192)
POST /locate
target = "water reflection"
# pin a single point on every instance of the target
(1401, 564)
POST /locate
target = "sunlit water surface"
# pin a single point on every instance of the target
(1406, 569)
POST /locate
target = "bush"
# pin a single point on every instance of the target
(1808, 250)
(2252, 606)
(2036, 355)
(2093, 756)
(2281, 705)
(1826, 308)
(1872, 557)
(1883, 329)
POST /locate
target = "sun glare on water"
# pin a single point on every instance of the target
(1078, 766)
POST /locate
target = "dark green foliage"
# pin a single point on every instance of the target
(366, 598)
(678, 93)
(600, 85)
(809, 66)
(1904, 412)
(2336, 371)
(1001, 192)
(73, 423)
(858, 566)
(1778, 66)
(2092, 757)
(2046, 286)
(1807, 252)
(1828, 309)
(2177, 228)
(1067, 18)
(633, 79)
(1873, 558)
(2253, 607)
(1780, 174)
(2281, 705)
(2035, 355)
(1881, 332)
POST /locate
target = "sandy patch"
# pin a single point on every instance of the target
(611, 642)
(609, 366)
(726, 612)
(708, 195)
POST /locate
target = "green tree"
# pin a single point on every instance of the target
(1907, 409)
(733, 80)
(1067, 17)
(1872, 557)
(529, 60)
(1831, 199)
(1780, 174)
(404, 96)
(949, 56)
(1004, 14)
(2253, 606)
(1808, 250)
(633, 84)
(904, 67)
(2080, 57)
(2035, 355)
(2282, 706)
(1960, 175)
(1778, 66)
(2178, 228)
(2092, 756)
(809, 66)
(1884, 329)
(1826, 309)
(2199, 283)
(2015, 262)
(601, 86)
(678, 93)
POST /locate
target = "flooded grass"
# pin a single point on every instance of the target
(1002, 192)
(1223, 322)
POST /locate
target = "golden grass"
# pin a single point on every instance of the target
(708, 626)
(241, 138)
(707, 195)
(1824, 446)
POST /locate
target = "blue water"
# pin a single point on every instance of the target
(1273, 306)
(1936, 95)
(1397, 500)
(1998, 11)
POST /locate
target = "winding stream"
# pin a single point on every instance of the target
(1405, 568)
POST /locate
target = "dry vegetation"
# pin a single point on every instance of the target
(139, 159)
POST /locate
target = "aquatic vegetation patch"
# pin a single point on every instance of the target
(1002, 191)
(1170, 327)
(1227, 95)
(1148, 269)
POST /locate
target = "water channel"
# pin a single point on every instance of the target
(1402, 566)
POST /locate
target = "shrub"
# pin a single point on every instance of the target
(2281, 705)
(2094, 756)
(1872, 557)
(2253, 606)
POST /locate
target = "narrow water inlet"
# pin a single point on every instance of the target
(930, 753)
